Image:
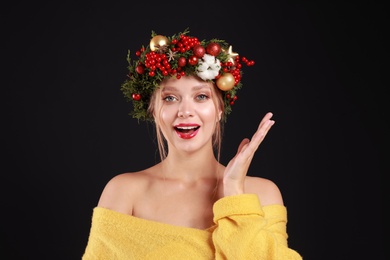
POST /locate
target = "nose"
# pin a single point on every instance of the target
(185, 109)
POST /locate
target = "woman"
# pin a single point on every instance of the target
(189, 205)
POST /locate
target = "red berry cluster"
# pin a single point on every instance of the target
(185, 43)
(234, 69)
(155, 60)
(231, 99)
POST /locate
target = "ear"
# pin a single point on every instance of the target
(219, 115)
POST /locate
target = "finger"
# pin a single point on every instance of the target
(265, 119)
(261, 133)
(242, 144)
(264, 126)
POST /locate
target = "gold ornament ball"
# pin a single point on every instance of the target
(225, 82)
(158, 41)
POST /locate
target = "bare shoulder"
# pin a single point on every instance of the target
(267, 190)
(122, 190)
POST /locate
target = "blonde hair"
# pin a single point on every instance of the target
(155, 103)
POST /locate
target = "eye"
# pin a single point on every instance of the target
(202, 97)
(169, 98)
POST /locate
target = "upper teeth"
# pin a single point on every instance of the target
(186, 127)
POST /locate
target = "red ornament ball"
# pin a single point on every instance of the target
(136, 96)
(213, 49)
(140, 69)
(181, 62)
(199, 51)
(193, 60)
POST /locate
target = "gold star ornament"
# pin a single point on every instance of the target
(232, 55)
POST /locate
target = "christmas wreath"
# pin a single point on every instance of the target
(180, 55)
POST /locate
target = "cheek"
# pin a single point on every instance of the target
(168, 115)
(208, 113)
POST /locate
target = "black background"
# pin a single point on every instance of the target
(66, 130)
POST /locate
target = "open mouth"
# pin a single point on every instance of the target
(186, 129)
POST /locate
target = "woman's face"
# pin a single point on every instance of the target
(187, 113)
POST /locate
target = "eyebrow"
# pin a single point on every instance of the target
(194, 88)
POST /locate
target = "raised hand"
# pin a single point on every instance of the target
(237, 168)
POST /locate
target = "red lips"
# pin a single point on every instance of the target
(187, 131)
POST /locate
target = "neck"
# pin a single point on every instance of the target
(191, 167)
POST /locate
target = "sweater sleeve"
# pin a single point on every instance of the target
(245, 230)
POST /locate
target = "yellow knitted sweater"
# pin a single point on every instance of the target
(243, 230)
